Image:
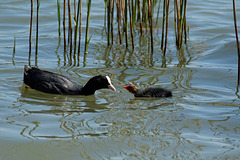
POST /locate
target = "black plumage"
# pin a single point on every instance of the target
(50, 82)
(148, 92)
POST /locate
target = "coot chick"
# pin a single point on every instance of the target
(50, 82)
(148, 92)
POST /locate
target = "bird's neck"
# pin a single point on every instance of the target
(135, 90)
(89, 88)
(86, 90)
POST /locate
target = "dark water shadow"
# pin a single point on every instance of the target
(34, 98)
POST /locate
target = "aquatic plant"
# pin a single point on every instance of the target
(87, 40)
(70, 29)
(64, 27)
(37, 22)
(180, 21)
(132, 17)
(59, 18)
(237, 41)
(165, 13)
(78, 28)
(131, 22)
(30, 35)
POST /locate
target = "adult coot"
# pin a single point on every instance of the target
(148, 92)
(50, 82)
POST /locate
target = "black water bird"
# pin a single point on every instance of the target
(148, 92)
(54, 83)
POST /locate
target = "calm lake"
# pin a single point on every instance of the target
(200, 121)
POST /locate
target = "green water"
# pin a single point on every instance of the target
(200, 121)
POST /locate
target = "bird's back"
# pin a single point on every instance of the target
(153, 92)
(49, 82)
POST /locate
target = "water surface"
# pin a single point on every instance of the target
(200, 121)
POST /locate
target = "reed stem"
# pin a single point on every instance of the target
(185, 21)
(80, 31)
(30, 34)
(59, 18)
(108, 21)
(158, 11)
(133, 12)
(167, 11)
(87, 26)
(144, 14)
(36, 51)
(163, 23)
(237, 40)
(131, 25)
(126, 24)
(75, 11)
(119, 19)
(150, 22)
(111, 6)
(64, 25)
(140, 15)
(70, 28)
(76, 29)
(180, 22)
